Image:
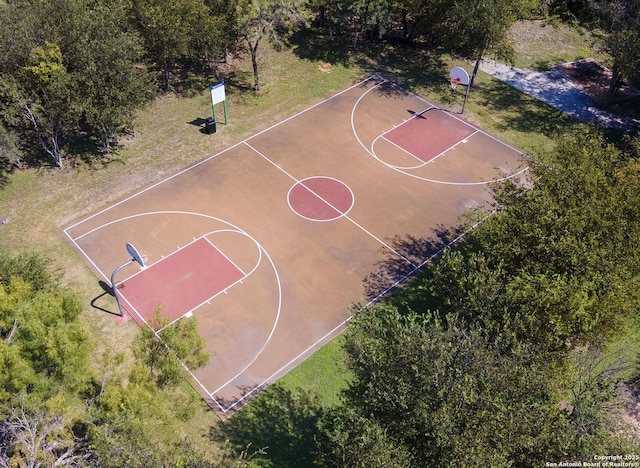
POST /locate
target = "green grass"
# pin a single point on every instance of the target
(496, 107)
(40, 202)
(540, 45)
(324, 374)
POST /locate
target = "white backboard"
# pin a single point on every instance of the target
(459, 73)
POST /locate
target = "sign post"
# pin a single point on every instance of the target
(459, 75)
(135, 257)
(218, 96)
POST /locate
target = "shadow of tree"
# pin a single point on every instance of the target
(418, 68)
(315, 44)
(5, 169)
(526, 113)
(394, 271)
(390, 89)
(234, 404)
(412, 65)
(279, 424)
(86, 149)
(238, 81)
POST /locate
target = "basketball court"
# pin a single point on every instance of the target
(269, 243)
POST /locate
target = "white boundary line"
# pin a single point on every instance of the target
(363, 229)
(453, 116)
(279, 308)
(225, 255)
(301, 184)
(424, 163)
(404, 278)
(235, 229)
(211, 394)
(368, 304)
(199, 163)
(436, 181)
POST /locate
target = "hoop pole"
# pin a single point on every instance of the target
(466, 96)
(113, 284)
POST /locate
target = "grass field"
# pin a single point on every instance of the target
(38, 202)
(539, 45)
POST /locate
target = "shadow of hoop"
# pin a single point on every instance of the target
(107, 291)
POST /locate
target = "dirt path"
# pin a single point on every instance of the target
(556, 89)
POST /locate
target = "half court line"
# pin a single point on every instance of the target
(355, 223)
(208, 158)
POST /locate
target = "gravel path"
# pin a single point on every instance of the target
(556, 90)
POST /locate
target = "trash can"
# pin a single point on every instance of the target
(210, 125)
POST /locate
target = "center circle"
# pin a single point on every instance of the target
(320, 198)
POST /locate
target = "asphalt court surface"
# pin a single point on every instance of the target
(307, 211)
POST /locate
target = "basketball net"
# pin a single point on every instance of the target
(144, 255)
(454, 82)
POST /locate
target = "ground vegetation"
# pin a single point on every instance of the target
(536, 310)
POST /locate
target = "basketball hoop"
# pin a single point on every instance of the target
(459, 76)
(144, 255)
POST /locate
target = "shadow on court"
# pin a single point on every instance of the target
(394, 270)
(417, 114)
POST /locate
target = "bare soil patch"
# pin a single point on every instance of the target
(595, 80)
(631, 410)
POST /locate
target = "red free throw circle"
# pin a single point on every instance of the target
(320, 198)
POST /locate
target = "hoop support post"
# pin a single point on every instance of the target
(466, 96)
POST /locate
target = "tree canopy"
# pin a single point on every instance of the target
(556, 264)
(77, 70)
(265, 20)
(43, 344)
(533, 294)
(56, 409)
(497, 355)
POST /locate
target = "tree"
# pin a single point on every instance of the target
(622, 22)
(10, 151)
(438, 392)
(44, 346)
(111, 83)
(37, 439)
(45, 98)
(123, 430)
(74, 72)
(280, 426)
(22, 31)
(132, 422)
(173, 29)
(164, 354)
(320, 8)
(361, 16)
(44, 351)
(349, 440)
(422, 17)
(554, 267)
(267, 20)
(477, 26)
